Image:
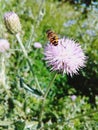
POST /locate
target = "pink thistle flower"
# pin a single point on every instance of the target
(37, 45)
(67, 57)
(4, 45)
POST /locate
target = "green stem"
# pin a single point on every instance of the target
(44, 99)
(27, 58)
(21, 45)
(3, 71)
(36, 23)
(3, 74)
(38, 17)
(50, 84)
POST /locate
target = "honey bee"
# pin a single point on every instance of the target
(53, 38)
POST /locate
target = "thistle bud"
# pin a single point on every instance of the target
(12, 22)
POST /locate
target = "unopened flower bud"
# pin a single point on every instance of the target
(73, 97)
(37, 45)
(12, 22)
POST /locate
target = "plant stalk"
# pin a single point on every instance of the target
(44, 99)
(27, 58)
(3, 75)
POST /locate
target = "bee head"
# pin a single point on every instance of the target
(48, 31)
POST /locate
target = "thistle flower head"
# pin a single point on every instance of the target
(4, 45)
(12, 22)
(66, 57)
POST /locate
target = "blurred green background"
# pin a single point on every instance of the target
(72, 101)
